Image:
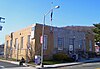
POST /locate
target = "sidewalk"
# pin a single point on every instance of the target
(57, 65)
(71, 64)
(14, 62)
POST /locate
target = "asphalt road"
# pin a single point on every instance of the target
(95, 65)
(6, 65)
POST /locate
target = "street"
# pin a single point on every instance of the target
(95, 65)
(6, 65)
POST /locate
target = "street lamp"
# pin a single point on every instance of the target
(43, 32)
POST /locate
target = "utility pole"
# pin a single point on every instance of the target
(43, 29)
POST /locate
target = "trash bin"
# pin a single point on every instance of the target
(37, 59)
(74, 57)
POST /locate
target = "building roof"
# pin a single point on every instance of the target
(80, 28)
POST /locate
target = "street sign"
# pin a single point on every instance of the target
(70, 47)
(41, 39)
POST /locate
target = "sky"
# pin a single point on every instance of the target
(19, 14)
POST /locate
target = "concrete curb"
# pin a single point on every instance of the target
(55, 65)
(59, 65)
(67, 64)
(14, 62)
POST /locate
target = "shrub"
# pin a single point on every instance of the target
(91, 54)
(62, 57)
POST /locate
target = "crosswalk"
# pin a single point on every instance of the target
(21, 68)
(97, 68)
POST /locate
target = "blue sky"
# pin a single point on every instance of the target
(22, 13)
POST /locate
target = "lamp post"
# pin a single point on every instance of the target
(43, 28)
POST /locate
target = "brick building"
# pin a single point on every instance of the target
(2, 49)
(26, 42)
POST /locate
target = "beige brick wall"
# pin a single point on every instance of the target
(50, 40)
(20, 52)
(35, 42)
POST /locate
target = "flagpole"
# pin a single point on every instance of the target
(51, 15)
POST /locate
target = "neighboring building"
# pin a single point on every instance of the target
(97, 48)
(27, 42)
(2, 49)
(80, 28)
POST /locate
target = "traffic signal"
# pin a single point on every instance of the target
(2, 20)
(0, 27)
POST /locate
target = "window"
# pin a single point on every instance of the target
(32, 32)
(45, 42)
(16, 43)
(80, 44)
(29, 38)
(21, 46)
(60, 43)
(10, 43)
(7, 44)
(28, 41)
(70, 41)
(33, 28)
(90, 43)
(84, 45)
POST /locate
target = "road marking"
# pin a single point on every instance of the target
(1, 66)
(97, 68)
